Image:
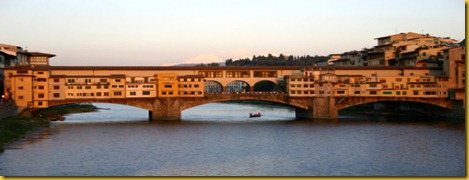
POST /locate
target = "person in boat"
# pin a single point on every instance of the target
(255, 115)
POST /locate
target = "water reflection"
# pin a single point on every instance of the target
(108, 113)
(122, 142)
(213, 112)
(235, 112)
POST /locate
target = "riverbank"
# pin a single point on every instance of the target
(55, 112)
(7, 108)
(15, 127)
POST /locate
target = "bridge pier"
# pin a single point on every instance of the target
(325, 108)
(303, 113)
(165, 109)
(319, 108)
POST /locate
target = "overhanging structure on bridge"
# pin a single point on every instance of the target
(315, 92)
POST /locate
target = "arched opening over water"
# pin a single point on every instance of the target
(238, 111)
(265, 86)
(404, 109)
(238, 87)
(108, 112)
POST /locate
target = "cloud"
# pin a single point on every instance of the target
(203, 58)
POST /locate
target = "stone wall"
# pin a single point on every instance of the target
(458, 111)
(7, 109)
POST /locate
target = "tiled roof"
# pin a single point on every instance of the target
(39, 54)
(117, 76)
(192, 76)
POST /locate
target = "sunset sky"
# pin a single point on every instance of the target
(166, 32)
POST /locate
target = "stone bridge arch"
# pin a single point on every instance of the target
(312, 107)
(296, 103)
(302, 106)
(170, 108)
(345, 102)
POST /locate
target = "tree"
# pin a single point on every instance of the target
(213, 64)
(282, 60)
(229, 62)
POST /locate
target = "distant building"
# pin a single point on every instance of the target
(454, 71)
(330, 61)
(404, 49)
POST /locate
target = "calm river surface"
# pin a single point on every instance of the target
(219, 139)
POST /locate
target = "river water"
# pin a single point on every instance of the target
(219, 139)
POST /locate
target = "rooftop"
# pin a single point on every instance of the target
(39, 54)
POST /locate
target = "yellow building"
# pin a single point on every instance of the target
(85, 87)
(167, 85)
(117, 86)
(141, 87)
(300, 84)
(361, 81)
(57, 87)
(191, 86)
(28, 84)
(19, 86)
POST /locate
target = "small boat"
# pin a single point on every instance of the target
(57, 118)
(254, 115)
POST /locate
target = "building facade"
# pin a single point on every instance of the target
(403, 65)
(403, 49)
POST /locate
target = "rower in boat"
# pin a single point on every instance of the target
(255, 115)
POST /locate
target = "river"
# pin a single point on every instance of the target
(219, 139)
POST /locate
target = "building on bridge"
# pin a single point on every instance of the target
(191, 86)
(318, 91)
(411, 82)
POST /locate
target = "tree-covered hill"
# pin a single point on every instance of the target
(281, 60)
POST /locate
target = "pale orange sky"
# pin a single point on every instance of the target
(165, 32)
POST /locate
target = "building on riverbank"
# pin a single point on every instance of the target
(403, 49)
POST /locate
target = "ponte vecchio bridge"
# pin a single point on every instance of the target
(166, 91)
